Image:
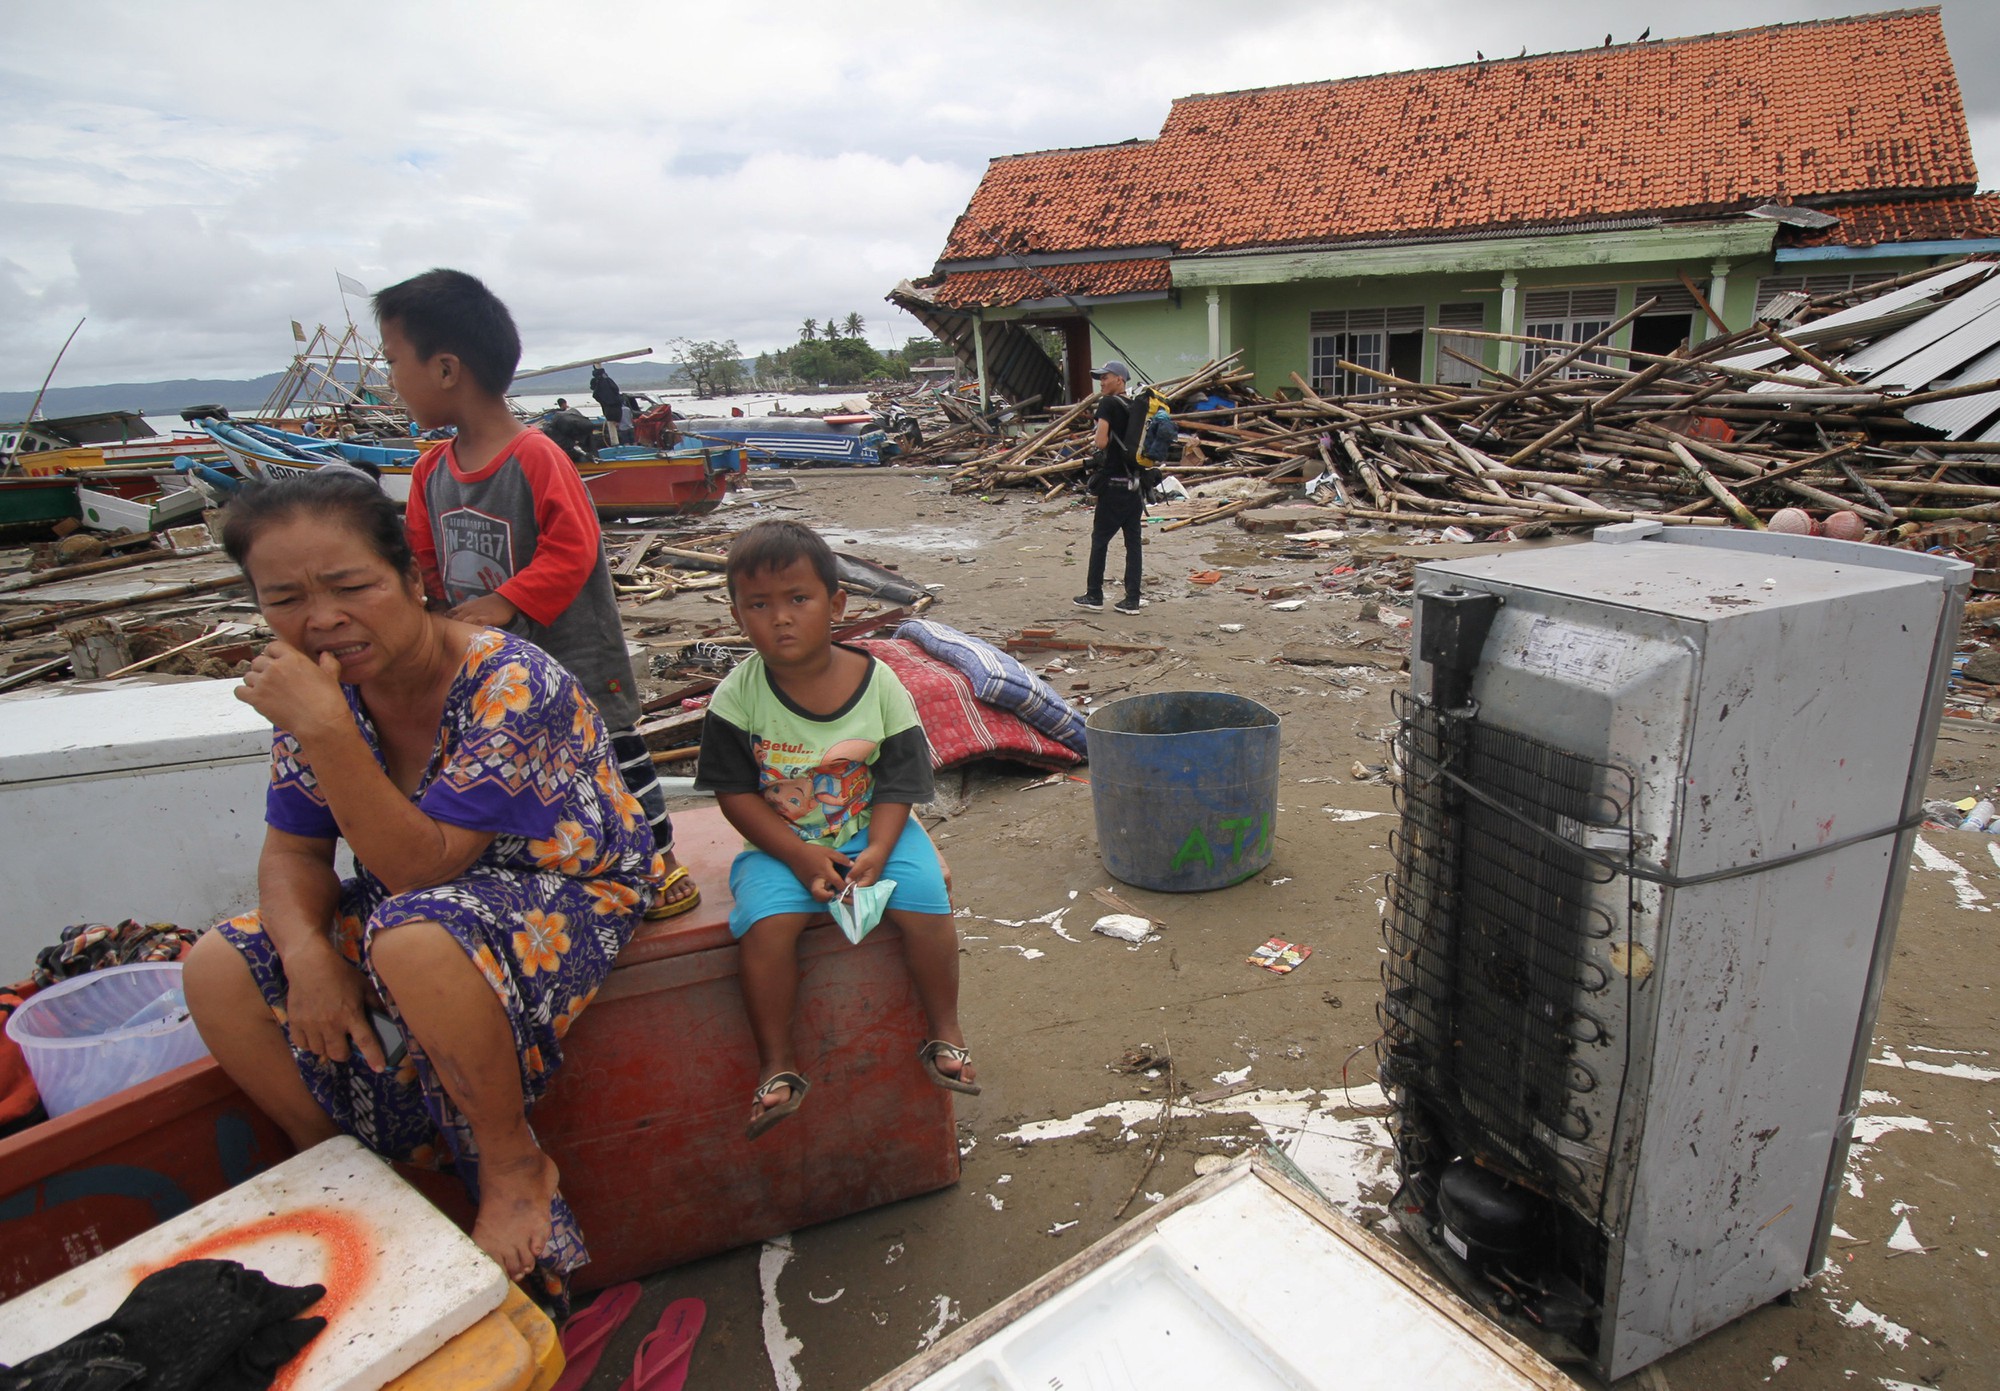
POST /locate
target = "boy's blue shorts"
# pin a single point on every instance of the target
(764, 887)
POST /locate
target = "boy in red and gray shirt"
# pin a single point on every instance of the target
(503, 529)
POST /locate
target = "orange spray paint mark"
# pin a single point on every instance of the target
(350, 1259)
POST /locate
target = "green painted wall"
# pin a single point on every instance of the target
(1161, 339)
(1272, 321)
(1169, 338)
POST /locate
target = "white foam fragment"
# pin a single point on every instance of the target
(1230, 1079)
(1027, 953)
(947, 1315)
(779, 1345)
(1859, 1315)
(1905, 1239)
(1869, 1129)
(1343, 814)
(1965, 1071)
(829, 1299)
(1126, 927)
(1879, 1099)
(998, 1205)
(1059, 1228)
(1968, 894)
(1062, 1127)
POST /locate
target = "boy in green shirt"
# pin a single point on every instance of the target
(815, 753)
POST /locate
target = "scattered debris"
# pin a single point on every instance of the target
(1279, 956)
(1126, 927)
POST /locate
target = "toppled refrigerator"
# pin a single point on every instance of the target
(1658, 795)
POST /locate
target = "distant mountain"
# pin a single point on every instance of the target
(172, 397)
(148, 398)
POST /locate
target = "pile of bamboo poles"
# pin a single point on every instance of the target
(1592, 434)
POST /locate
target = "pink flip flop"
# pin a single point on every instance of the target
(661, 1364)
(588, 1331)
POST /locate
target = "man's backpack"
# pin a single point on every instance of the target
(1150, 432)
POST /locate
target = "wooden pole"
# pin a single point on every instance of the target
(179, 591)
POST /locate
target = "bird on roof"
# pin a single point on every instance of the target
(1479, 55)
(1523, 53)
(1607, 41)
(1643, 33)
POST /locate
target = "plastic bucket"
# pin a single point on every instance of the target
(1184, 785)
(105, 1031)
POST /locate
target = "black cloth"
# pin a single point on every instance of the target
(606, 393)
(1119, 510)
(195, 1326)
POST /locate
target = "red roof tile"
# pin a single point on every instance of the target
(1925, 219)
(968, 289)
(1827, 108)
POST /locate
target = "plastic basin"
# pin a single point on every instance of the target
(105, 1031)
(1184, 786)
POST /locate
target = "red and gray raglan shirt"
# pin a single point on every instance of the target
(524, 528)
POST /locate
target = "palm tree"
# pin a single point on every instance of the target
(809, 330)
(854, 324)
(832, 328)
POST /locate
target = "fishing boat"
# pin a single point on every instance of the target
(629, 481)
(635, 481)
(89, 443)
(35, 503)
(258, 451)
(792, 439)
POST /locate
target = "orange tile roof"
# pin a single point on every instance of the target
(1826, 108)
(1906, 220)
(969, 289)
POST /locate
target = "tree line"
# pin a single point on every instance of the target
(834, 355)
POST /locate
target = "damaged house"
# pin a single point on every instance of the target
(1545, 195)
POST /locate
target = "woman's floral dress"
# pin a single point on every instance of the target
(543, 912)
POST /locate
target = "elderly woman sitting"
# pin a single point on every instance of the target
(501, 865)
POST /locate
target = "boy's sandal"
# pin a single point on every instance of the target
(662, 909)
(771, 1115)
(937, 1048)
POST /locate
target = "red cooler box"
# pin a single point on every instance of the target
(646, 1119)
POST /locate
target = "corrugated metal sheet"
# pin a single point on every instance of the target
(1886, 311)
(1958, 418)
(1888, 360)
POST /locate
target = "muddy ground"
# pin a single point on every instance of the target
(1055, 1011)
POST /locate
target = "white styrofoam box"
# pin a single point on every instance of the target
(1243, 1285)
(401, 1279)
(142, 801)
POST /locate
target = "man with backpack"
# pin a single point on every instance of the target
(1119, 486)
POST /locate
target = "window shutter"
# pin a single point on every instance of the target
(1594, 304)
(1673, 298)
(1540, 305)
(1462, 316)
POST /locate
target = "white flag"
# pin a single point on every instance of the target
(349, 284)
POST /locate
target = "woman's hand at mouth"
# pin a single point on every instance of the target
(294, 692)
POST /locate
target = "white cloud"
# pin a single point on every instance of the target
(191, 175)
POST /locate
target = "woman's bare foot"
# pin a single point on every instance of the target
(513, 1223)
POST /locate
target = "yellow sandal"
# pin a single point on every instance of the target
(662, 909)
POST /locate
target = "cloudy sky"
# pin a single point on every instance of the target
(191, 175)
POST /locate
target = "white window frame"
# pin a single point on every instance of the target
(1362, 337)
(1568, 315)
